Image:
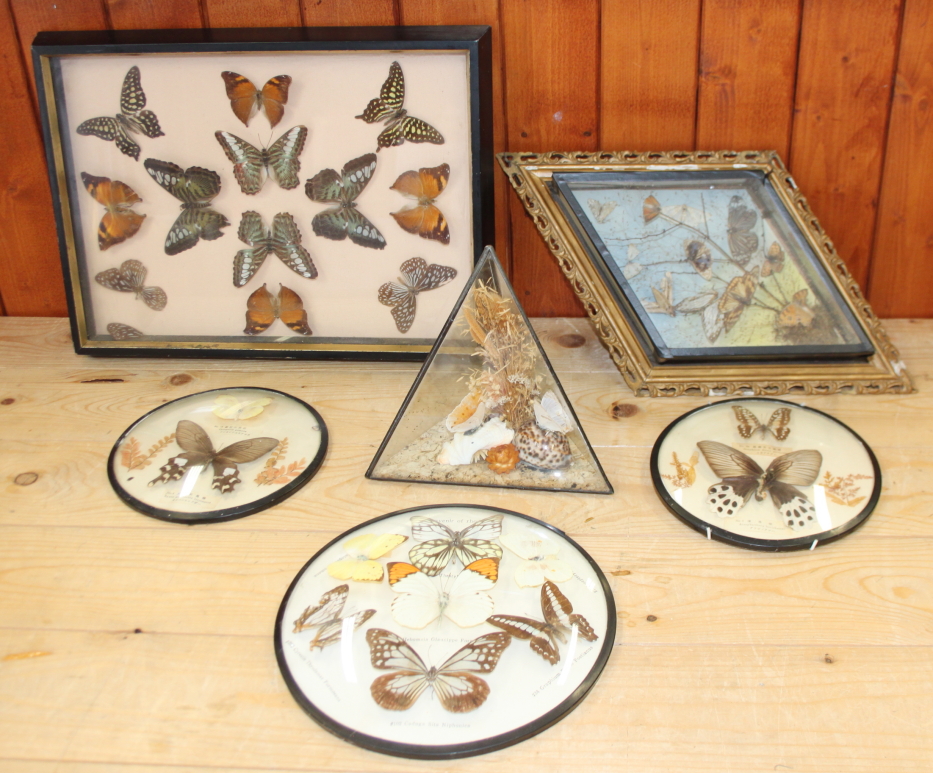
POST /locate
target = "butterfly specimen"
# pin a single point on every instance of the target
(262, 309)
(455, 681)
(284, 240)
(739, 224)
(559, 621)
(246, 100)
(120, 221)
(698, 255)
(236, 409)
(194, 187)
(650, 209)
(664, 300)
(120, 332)
(797, 313)
(362, 551)
(464, 601)
(199, 452)
(250, 163)
(342, 189)
(749, 423)
(399, 125)
(601, 210)
(737, 297)
(326, 617)
(131, 278)
(774, 260)
(550, 414)
(132, 118)
(742, 476)
(439, 544)
(539, 559)
(417, 276)
(424, 218)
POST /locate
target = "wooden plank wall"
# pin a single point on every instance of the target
(843, 90)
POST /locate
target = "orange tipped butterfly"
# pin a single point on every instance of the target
(399, 125)
(423, 218)
(199, 452)
(743, 477)
(132, 118)
(246, 100)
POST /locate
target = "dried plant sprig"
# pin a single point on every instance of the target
(133, 459)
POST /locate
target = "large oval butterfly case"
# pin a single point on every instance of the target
(218, 455)
(445, 631)
(765, 474)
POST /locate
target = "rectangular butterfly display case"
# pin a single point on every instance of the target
(706, 273)
(300, 193)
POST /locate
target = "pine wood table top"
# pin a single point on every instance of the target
(131, 644)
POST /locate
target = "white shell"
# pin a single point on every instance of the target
(471, 400)
(465, 445)
(549, 414)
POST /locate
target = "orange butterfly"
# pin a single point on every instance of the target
(424, 218)
(263, 307)
(774, 260)
(737, 297)
(797, 313)
(246, 100)
(120, 222)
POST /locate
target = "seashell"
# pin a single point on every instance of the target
(468, 415)
(550, 414)
(541, 448)
(465, 445)
(502, 459)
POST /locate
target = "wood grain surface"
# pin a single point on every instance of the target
(842, 93)
(129, 644)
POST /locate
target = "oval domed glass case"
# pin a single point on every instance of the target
(765, 474)
(218, 455)
(445, 631)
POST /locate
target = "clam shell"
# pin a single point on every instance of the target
(468, 414)
(541, 448)
(465, 445)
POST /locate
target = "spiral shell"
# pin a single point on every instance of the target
(541, 448)
(502, 459)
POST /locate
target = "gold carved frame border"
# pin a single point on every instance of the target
(883, 373)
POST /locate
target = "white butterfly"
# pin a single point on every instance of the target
(439, 544)
(326, 617)
(550, 414)
(422, 600)
(601, 210)
(362, 552)
(540, 561)
(664, 300)
(454, 681)
(232, 407)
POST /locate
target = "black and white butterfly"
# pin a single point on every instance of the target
(120, 332)
(284, 239)
(250, 163)
(416, 277)
(455, 681)
(742, 477)
(544, 635)
(438, 544)
(131, 278)
(132, 118)
(194, 187)
(399, 125)
(199, 452)
(748, 423)
(327, 617)
(342, 189)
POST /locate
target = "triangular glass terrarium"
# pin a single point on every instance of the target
(487, 409)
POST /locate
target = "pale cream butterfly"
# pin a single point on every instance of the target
(550, 414)
(601, 210)
(232, 407)
(327, 616)
(422, 600)
(362, 551)
(539, 559)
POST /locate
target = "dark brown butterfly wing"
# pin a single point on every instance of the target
(274, 97)
(740, 476)
(426, 220)
(246, 99)
(226, 472)
(740, 221)
(798, 468)
(292, 312)
(542, 636)
(260, 311)
(198, 451)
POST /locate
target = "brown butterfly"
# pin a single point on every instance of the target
(417, 276)
(326, 617)
(774, 260)
(120, 332)
(737, 297)
(424, 218)
(246, 100)
(664, 300)
(739, 224)
(400, 126)
(455, 681)
(650, 209)
(699, 256)
(559, 621)
(131, 278)
(199, 452)
(263, 307)
(797, 313)
(749, 423)
(120, 222)
(742, 476)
